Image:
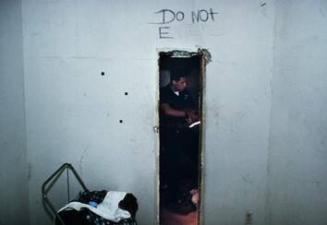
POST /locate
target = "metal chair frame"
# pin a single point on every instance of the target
(49, 183)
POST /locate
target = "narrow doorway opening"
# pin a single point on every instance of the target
(180, 117)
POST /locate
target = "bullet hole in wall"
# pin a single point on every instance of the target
(120, 121)
(126, 93)
(103, 73)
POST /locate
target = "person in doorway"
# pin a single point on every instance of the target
(179, 143)
(177, 107)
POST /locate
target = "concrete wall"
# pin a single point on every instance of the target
(73, 112)
(238, 94)
(264, 96)
(13, 164)
(297, 161)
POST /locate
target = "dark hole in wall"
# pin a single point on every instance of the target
(179, 170)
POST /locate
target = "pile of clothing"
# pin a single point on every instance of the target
(99, 208)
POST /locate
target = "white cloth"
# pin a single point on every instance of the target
(176, 93)
(107, 209)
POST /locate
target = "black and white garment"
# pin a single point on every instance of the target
(99, 208)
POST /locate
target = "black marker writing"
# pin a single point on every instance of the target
(163, 34)
(203, 15)
(168, 16)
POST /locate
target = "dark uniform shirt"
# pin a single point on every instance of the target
(179, 102)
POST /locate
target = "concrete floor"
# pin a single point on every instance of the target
(170, 218)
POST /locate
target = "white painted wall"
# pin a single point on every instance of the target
(297, 153)
(238, 94)
(13, 164)
(73, 112)
(264, 98)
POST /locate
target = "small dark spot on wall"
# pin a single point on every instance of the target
(263, 4)
(103, 73)
(120, 121)
(126, 93)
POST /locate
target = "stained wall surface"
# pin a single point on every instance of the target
(13, 163)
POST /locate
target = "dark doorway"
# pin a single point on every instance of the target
(180, 114)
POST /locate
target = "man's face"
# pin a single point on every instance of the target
(180, 85)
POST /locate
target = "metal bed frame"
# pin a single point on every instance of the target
(48, 184)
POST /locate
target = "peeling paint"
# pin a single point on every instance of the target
(205, 55)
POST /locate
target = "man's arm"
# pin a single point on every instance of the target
(169, 111)
(188, 114)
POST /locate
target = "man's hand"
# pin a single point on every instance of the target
(191, 116)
